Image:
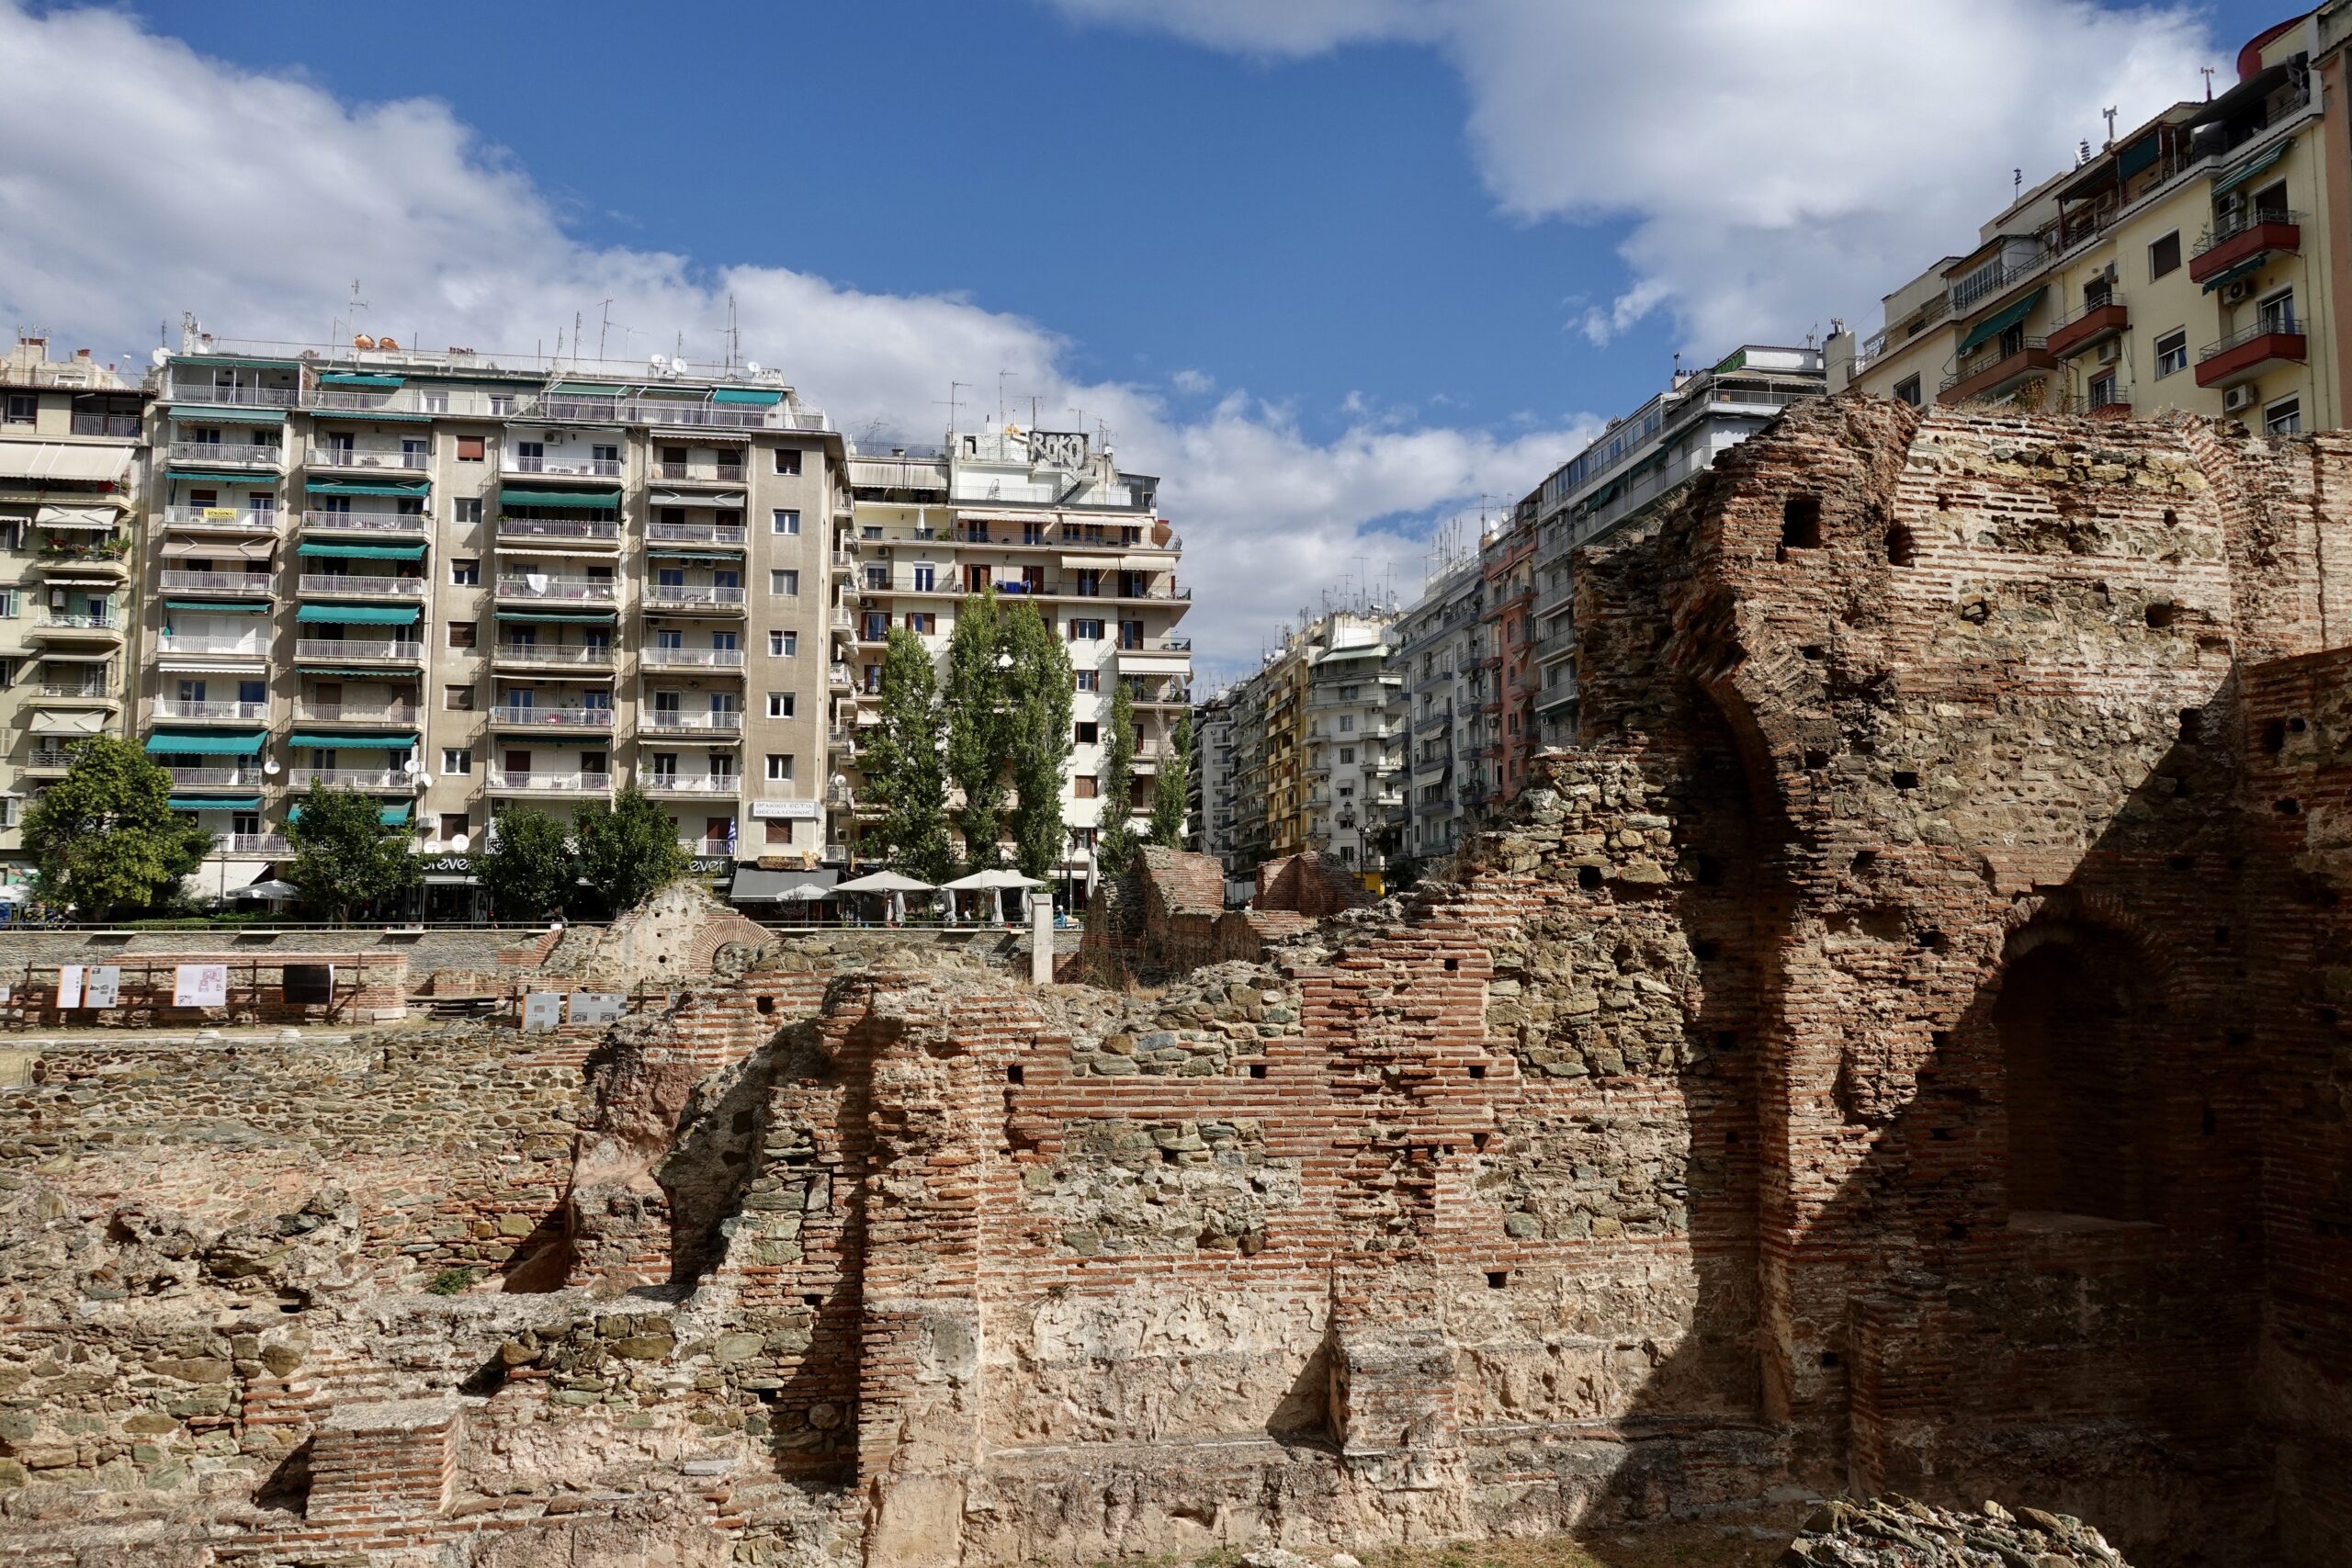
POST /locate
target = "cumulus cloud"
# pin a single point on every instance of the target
(1776, 163)
(142, 178)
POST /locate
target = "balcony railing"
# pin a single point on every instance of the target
(247, 644)
(693, 593)
(1983, 285)
(578, 589)
(671, 721)
(355, 586)
(553, 783)
(356, 713)
(368, 457)
(555, 653)
(708, 846)
(689, 473)
(695, 658)
(2283, 323)
(556, 529)
(244, 454)
(692, 783)
(210, 712)
(250, 843)
(116, 425)
(78, 690)
(357, 648)
(696, 533)
(222, 519)
(239, 397)
(574, 468)
(351, 778)
(49, 758)
(78, 621)
(369, 522)
(178, 582)
(559, 718)
(213, 778)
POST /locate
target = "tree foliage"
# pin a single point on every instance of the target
(1040, 681)
(1114, 784)
(905, 773)
(530, 868)
(979, 722)
(105, 838)
(346, 855)
(627, 849)
(1170, 790)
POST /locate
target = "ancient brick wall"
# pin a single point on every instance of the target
(1306, 885)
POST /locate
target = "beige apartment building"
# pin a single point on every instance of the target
(1046, 516)
(462, 582)
(2186, 264)
(72, 435)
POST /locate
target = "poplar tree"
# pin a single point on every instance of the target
(1115, 786)
(1040, 682)
(979, 722)
(1171, 791)
(905, 773)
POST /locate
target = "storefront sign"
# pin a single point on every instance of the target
(786, 810)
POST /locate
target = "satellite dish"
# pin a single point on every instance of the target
(158, 355)
(677, 366)
(752, 366)
(423, 778)
(658, 363)
(459, 842)
(271, 768)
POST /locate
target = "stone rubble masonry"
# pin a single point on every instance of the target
(1902, 1049)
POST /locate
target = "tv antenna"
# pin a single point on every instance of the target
(734, 333)
(955, 390)
(2109, 113)
(1001, 378)
(2206, 72)
(606, 326)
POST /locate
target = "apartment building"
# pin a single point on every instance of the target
(460, 581)
(1216, 805)
(72, 435)
(1043, 516)
(2189, 264)
(1440, 685)
(1629, 472)
(1503, 685)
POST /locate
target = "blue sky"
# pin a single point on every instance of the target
(1336, 269)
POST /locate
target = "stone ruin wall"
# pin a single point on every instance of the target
(1963, 793)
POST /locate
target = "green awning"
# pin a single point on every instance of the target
(197, 743)
(2001, 321)
(394, 816)
(593, 617)
(229, 416)
(746, 396)
(357, 674)
(582, 390)
(2246, 268)
(586, 500)
(350, 378)
(2248, 169)
(415, 492)
(360, 614)
(372, 416)
(354, 742)
(221, 606)
(239, 360)
(208, 479)
(2138, 156)
(361, 552)
(668, 554)
(214, 803)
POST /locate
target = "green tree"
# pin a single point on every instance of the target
(1171, 791)
(529, 868)
(345, 854)
(979, 722)
(1114, 784)
(627, 849)
(905, 775)
(105, 838)
(1040, 682)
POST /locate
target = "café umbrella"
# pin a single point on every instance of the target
(888, 884)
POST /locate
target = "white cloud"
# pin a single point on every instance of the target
(1778, 163)
(142, 178)
(1193, 382)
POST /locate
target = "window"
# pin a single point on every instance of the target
(2172, 352)
(2104, 395)
(1088, 729)
(457, 760)
(1082, 786)
(784, 583)
(1347, 753)
(24, 407)
(470, 510)
(1347, 722)
(465, 571)
(788, 459)
(1131, 635)
(926, 577)
(2163, 255)
(1085, 631)
(785, 519)
(922, 623)
(781, 703)
(469, 449)
(1090, 680)
(606, 454)
(779, 767)
(2284, 417)
(458, 699)
(878, 579)
(783, 645)
(455, 825)
(1907, 391)
(461, 634)
(2277, 313)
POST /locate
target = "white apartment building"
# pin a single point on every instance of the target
(1353, 798)
(1215, 799)
(1043, 516)
(1437, 646)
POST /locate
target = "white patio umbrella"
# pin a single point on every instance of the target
(890, 883)
(272, 891)
(15, 893)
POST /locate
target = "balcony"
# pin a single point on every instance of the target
(593, 656)
(694, 532)
(379, 715)
(702, 598)
(123, 426)
(2092, 324)
(78, 626)
(227, 454)
(562, 468)
(229, 397)
(2241, 237)
(693, 658)
(841, 678)
(571, 530)
(1991, 377)
(669, 722)
(379, 457)
(47, 759)
(413, 523)
(184, 712)
(352, 586)
(213, 645)
(364, 650)
(376, 779)
(2276, 337)
(531, 781)
(251, 844)
(567, 590)
(247, 584)
(74, 693)
(704, 784)
(512, 716)
(216, 778)
(707, 847)
(221, 519)
(697, 474)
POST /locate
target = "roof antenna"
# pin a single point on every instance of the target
(2206, 72)
(2016, 183)
(2109, 113)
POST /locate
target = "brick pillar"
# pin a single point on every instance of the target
(393, 1460)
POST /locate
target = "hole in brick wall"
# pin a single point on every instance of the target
(1257, 1069)
(1588, 877)
(2237, 1039)
(1497, 1278)
(2328, 1016)
(1944, 502)
(2274, 735)
(1939, 1134)
(1801, 522)
(1864, 861)
(1906, 779)
(1168, 1156)
(1902, 547)
(2192, 724)
(1478, 1141)
(1477, 1069)
(2296, 725)
(1815, 761)
(2212, 1123)
(739, 1122)
(2181, 863)
(1955, 1231)
(2220, 936)
(2171, 517)
(1732, 1136)
(1704, 950)
(1934, 941)
(2181, 788)
(1727, 1039)
(1452, 965)
(812, 1301)
(1013, 1073)
(2289, 807)
(1707, 871)
(1814, 650)
(1939, 1038)
(766, 1004)
(1830, 1359)
(2159, 613)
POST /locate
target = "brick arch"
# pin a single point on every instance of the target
(2092, 908)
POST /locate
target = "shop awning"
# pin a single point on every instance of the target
(214, 803)
(207, 550)
(229, 416)
(361, 552)
(2001, 321)
(417, 490)
(354, 742)
(75, 517)
(734, 499)
(584, 499)
(200, 743)
(360, 614)
(221, 606)
(48, 723)
(746, 397)
(55, 460)
(752, 885)
(352, 379)
(187, 477)
(2246, 268)
(588, 618)
(2248, 169)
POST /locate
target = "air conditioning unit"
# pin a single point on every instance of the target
(2238, 293)
(2237, 400)
(2111, 351)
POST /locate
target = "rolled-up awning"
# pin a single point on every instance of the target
(2001, 321)
(668, 554)
(215, 803)
(360, 614)
(75, 517)
(731, 498)
(354, 742)
(228, 416)
(220, 606)
(415, 491)
(207, 550)
(591, 617)
(585, 500)
(747, 397)
(47, 722)
(2248, 169)
(352, 378)
(56, 460)
(361, 552)
(205, 477)
(202, 743)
